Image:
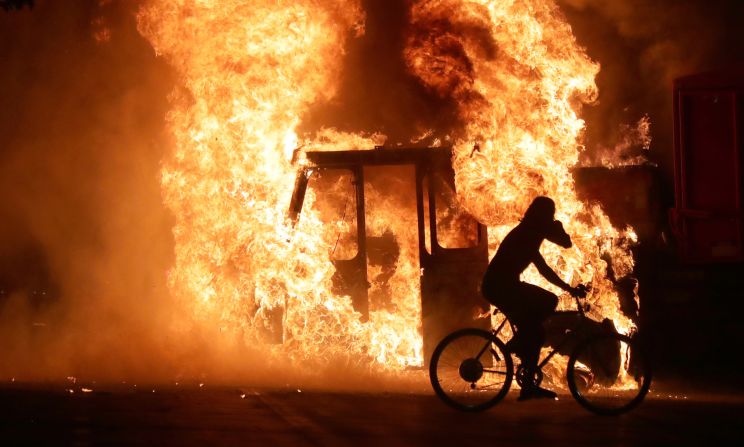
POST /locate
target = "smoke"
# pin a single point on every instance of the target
(377, 92)
(84, 240)
(642, 47)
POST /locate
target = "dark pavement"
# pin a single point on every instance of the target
(193, 415)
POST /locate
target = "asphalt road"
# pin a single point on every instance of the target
(192, 415)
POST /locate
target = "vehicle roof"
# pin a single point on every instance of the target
(381, 156)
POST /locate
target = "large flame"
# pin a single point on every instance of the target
(249, 71)
(520, 78)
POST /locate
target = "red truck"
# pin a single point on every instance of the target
(708, 164)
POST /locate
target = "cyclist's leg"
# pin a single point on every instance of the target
(500, 295)
(526, 306)
(536, 304)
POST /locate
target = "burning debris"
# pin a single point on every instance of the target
(631, 149)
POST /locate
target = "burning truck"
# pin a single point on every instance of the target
(450, 245)
(380, 264)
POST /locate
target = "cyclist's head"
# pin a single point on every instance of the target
(557, 235)
(540, 213)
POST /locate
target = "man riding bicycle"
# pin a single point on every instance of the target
(527, 306)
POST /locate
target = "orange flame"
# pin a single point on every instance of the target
(520, 78)
(249, 71)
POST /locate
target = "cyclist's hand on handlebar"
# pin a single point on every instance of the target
(579, 291)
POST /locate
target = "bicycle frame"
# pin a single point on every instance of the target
(573, 333)
(457, 367)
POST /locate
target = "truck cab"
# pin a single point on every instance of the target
(452, 245)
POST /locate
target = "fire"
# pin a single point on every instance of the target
(248, 73)
(519, 78)
(631, 148)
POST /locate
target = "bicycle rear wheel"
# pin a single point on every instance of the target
(609, 374)
(471, 370)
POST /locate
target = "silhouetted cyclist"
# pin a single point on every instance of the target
(526, 305)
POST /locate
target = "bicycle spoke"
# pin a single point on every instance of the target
(468, 370)
(600, 375)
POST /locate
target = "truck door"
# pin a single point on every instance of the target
(453, 249)
(337, 196)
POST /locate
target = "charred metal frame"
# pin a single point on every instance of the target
(450, 279)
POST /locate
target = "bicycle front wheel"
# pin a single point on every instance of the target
(609, 374)
(471, 370)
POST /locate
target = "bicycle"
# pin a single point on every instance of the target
(608, 373)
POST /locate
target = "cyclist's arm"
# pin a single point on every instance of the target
(549, 274)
